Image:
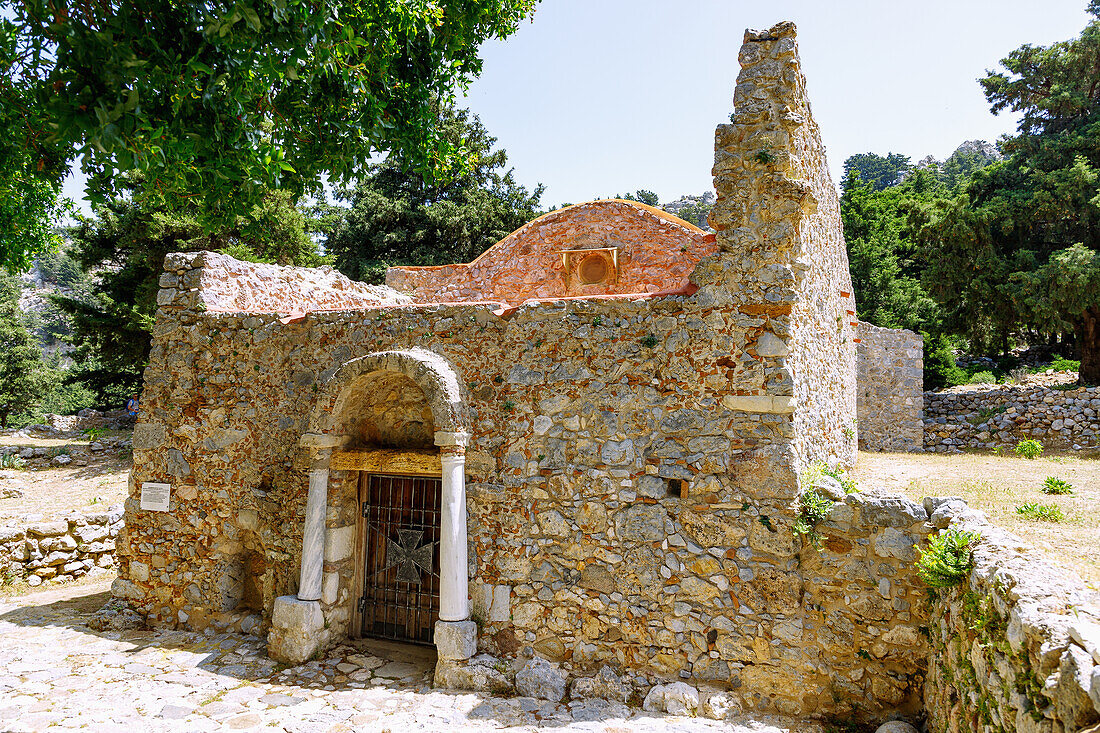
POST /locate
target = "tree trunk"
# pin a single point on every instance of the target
(1088, 346)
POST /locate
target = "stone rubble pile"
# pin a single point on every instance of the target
(85, 419)
(76, 455)
(991, 416)
(66, 548)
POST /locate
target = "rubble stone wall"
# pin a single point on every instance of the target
(227, 285)
(778, 228)
(1002, 415)
(1016, 647)
(653, 251)
(59, 549)
(890, 383)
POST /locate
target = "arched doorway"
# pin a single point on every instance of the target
(395, 421)
(390, 433)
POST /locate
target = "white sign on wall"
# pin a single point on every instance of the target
(155, 497)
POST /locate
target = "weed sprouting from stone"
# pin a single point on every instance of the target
(650, 341)
(13, 462)
(948, 559)
(813, 508)
(765, 156)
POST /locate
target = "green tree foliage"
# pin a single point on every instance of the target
(642, 196)
(398, 217)
(877, 171)
(30, 168)
(884, 260)
(126, 244)
(24, 378)
(1019, 249)
(219, 102)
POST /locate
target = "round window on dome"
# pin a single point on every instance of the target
(592, 270)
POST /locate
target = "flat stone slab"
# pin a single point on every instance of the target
(110, 681)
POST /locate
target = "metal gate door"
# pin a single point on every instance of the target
(401, 568)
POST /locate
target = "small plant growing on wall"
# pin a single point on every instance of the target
(764, 156)
(1029, 449)
(813, 508)
(1053, 485)
(1040, 512)
(948, 559)
(650, 341)
(12, 461)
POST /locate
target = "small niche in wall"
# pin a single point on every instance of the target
(677, 488)
(599, 266)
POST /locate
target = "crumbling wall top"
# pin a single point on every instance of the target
(219, 283)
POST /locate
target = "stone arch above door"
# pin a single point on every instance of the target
(428, 370)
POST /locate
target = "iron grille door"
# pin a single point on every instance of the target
(401, 568)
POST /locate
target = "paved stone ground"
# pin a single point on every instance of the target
(57, 673)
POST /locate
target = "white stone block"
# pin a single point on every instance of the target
(339, 543)
(455, 639)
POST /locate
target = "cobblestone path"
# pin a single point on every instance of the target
(57, 674)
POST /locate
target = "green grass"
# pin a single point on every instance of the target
(1054, 485)
(1040, 512)
(983, 377)
(1030, 449)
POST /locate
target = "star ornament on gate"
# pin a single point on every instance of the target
(407, 556)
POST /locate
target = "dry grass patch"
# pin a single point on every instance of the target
(58, 490)
(999, 484)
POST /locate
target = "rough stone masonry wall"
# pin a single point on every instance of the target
(890, 383)
(655, 250)
(1002, 415)
(62, 548)
(1015, 649)
(778, 223)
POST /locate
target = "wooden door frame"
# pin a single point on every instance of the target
(388, 461)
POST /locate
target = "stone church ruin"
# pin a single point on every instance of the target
(586, 448)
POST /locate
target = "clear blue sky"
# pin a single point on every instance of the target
(599, 97)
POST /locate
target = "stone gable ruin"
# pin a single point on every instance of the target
(585, 446)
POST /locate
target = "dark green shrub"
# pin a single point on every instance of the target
(940, 369)
(982, 377)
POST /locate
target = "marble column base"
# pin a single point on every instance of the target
(297, 632)
(455, 639)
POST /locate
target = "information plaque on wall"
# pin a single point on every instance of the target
(155, 497)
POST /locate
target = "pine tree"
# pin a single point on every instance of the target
(24, 378)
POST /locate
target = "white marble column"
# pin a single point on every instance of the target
(454, 595)
(313, 536)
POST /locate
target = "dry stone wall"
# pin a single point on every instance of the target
(58, 549)
(890, 379)
(995, 416)
(1015, 649)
